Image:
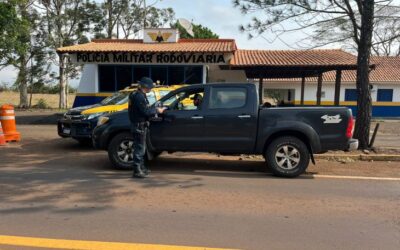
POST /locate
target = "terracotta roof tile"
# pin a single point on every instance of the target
(387, 69)
(130, 45)
(292, 58)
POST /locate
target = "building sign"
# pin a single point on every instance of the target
(160, 36)
(150, 58)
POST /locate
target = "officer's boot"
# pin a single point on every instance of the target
(138, 173)
(145, 170)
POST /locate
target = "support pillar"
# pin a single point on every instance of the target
(337, 87)
(319, 89)
(260, 90)
(303, 83)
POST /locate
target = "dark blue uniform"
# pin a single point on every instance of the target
(139, 114)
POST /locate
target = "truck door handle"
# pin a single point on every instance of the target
(244, 116)
(197, 117)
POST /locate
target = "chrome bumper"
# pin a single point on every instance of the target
(353, 145)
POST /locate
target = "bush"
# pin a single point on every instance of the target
(42, 104)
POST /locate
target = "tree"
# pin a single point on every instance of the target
(22, 44)
(326, 22)
(67, 22)
(199, 31)
(386, 35)
(111, 11)
(129, 17)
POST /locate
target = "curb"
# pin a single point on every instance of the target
(358, 157)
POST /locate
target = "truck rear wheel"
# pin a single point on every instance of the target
(287, 156)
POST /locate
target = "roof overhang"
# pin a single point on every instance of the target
(288, 71)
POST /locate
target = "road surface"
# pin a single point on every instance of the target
(53, 188)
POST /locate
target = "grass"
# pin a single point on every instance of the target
(51, 100)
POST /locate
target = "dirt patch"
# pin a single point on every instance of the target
(52, 100)
(356, 168)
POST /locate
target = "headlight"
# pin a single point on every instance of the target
(102, 120)
(94, 115)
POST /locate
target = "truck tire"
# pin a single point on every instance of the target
(287, 156)
(120, 151)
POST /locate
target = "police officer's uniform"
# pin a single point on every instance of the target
(139, 113)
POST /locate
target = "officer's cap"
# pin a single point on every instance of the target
(146, 82)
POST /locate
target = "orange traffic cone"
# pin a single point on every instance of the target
(7, 119)
(2, 138)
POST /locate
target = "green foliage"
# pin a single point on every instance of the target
(41, 104)
(198, 30)
(8, 32)
(14, 30)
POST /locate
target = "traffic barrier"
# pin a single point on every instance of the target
(2, 137)
(7, 119)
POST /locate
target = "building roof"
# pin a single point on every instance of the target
(387, 69)
(137, 45)
(318, 57)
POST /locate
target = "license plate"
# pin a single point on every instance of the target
(66, 131)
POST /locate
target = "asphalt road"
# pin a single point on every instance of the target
(52, 188)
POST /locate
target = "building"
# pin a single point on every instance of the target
(384, 80)
(297, 77)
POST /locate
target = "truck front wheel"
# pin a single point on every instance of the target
(287, 156)
(120, 151)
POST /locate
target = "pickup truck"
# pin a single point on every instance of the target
(230, 120)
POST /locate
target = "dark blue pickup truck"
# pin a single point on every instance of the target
(226, 118)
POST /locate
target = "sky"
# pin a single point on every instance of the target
(218, 15)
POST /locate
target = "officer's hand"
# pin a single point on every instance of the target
(161, 110)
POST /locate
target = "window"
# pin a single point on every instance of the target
(350, 95)
(116, 99)
(385, 95)
(193, 74)
(186, 100)
(139, 72)
(176, 75)
(160, 74)
(117, 77)
(151, 97)
(163, 92)
(228, 98)
(106, 78)
(124, 76)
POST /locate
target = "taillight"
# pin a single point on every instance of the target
(350, 127)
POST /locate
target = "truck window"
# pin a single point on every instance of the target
(116, 99)
(228, 98)
(151, 97)
(191, 100)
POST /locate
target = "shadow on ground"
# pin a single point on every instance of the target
(61, 176)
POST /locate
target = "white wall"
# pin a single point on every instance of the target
(310, 93)
(89, 79)
(215, 74)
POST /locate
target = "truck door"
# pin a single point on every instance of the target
(182, 125)
(231, 119)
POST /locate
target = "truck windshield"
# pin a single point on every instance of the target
(116, 99)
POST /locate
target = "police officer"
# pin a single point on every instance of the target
(139, 113)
